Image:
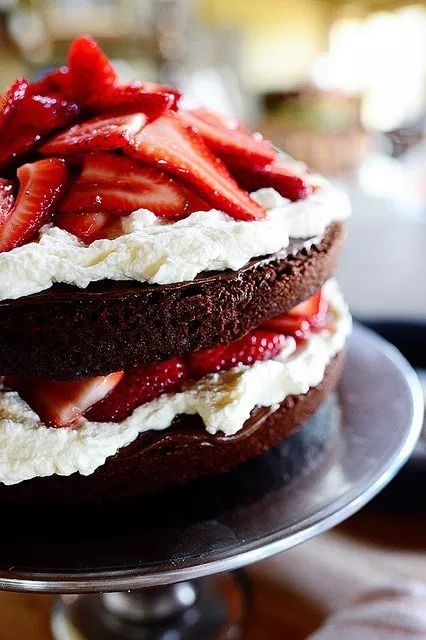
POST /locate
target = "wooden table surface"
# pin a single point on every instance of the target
(294, 591)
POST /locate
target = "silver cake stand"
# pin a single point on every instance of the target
(156, 568)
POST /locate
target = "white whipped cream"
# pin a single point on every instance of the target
(223, 400)
(156, 251)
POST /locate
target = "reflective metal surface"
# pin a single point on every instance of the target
(342, 457)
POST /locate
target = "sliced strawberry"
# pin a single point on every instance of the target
(14, 95)
(277, 175)
(6, 199)
(295, 326)
(61, 404)
(195, 203)
(92, 74)
(89, 227)
(173, 147)
(314, 309)
(41, 184)
(218, 120)
(99, 134)
(237, 144)
(29, 120)
(114, 184)
(256, 345)
(57, 81)
(131, 98)
(138, 386)
(303, 319)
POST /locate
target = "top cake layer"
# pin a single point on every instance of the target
(101, 182)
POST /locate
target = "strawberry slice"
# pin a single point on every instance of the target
(256, 345)
(173, 147)
(61, 404)
(6, 199)
(295, 326)
(138, 386)
(114, 184)
(98, 134)
(27, 118)
(42, 183)
(89, 227)
(314, 309)
(238, 145)
(131, 98)
(91, 73)
(277, 175)
(14, 95)
(303, 319)
(56, 82)
(218, 120)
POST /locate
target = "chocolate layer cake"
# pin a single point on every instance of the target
(167, 302)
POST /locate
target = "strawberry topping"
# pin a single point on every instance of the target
(256, 345)
(27, 117)
(61, 404)
(131, 98)
(277, 175)
(6, 199)
(41, 184)
(89, 227)
(237, 144)
(99, 134)
(117, 185)
(91, 73)
(138, 386)
(173, 147)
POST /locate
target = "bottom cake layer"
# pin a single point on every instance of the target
(159, 460)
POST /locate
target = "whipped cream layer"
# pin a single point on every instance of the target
(156, 251)
(223, 400)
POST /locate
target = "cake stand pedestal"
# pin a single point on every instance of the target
(154, 568)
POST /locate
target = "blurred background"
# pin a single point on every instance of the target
(340, 85)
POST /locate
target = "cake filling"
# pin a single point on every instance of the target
(150, 249)
(288, 355)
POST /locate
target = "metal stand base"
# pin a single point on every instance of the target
(209, 608)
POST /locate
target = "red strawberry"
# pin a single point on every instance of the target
(314, 309)
(57, 81)
(219, 120)
(30, 118)
(170, 145)
(60, 404)
(295, 326)
(41, 185)
(131, 98)
(89, 227)
(15, 94)
(114, 184)
(277, 175)
(238, 145)
(6, 199)
(306, 317)
(138, 386)
(99, 134)
(256, 345)
(90, 70)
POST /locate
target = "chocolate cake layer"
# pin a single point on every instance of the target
(160, 460)
(67, 333)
